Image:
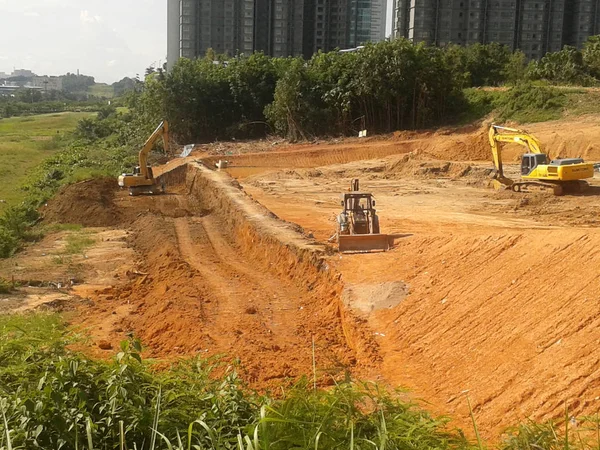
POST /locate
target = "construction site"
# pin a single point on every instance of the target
(474, 292)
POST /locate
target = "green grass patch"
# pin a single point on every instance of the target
(24, 143)
(581, 103)
(77, 243)
(56, 227)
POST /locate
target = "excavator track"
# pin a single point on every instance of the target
(526, 186)
(153, 189)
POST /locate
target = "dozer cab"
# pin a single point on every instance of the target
(142, 180)
(358, 223)
(537, 171)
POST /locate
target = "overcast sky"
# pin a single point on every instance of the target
(108, 39)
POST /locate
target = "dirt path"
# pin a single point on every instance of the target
(244, 297)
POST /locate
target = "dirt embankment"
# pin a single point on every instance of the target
(219, 274)
(89, 203)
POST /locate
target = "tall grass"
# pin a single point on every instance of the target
(52, 398)
(24, 143)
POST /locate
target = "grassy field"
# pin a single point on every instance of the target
(24, 143)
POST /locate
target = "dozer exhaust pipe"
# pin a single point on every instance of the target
(363, 243)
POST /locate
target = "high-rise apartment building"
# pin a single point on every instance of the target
(234, 26)
(534, 26)
(275, 27)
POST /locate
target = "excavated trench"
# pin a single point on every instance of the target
(219, 274)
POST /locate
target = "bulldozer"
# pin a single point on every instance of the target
(537, 170)
(358, 223)
(142, 180)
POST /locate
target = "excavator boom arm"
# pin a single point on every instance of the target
(509, 135)
(161, 131)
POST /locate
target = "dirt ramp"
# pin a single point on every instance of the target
(510, 317)
(89, 203)
(452, 146)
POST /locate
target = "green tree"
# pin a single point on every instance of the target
(591, 56)
(515, 69)
(563, 67)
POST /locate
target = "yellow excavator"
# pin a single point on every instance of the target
(142, 180)
(537, 171)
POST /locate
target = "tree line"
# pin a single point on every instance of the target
(382, 87)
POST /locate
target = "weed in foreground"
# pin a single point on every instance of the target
(52, 397)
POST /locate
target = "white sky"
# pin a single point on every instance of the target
(107, 39)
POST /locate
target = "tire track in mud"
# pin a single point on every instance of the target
(248, 308)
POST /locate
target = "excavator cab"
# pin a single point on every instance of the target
(531, 160)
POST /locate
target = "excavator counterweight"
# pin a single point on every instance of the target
(142, 180)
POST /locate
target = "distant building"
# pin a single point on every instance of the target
(4, 76)
(534, 26)
(379, 18)
(332, 24)
(23, 73)
(275, 27)
(47, 83)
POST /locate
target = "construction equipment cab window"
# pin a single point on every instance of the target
(531, 161)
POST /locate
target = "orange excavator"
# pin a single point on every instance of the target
(142, 180)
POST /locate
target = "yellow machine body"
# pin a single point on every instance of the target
(142, 180)
(536, 168)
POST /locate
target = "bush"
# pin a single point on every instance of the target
(8, 243)
(5, 286)
(54, 398)
(528, 103)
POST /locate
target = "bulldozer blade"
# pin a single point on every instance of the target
(364, 243)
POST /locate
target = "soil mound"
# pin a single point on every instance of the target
(411, 166)
(89, 203)
(460, 147)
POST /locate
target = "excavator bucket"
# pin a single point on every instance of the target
(363, 243)
(502, 183)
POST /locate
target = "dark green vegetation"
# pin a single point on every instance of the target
(383, 87)
(53, 398)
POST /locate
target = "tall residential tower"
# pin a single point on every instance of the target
(275, 27)
(534, 26)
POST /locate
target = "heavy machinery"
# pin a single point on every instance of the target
(358, 223)
(559, 175)
(142, 180)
